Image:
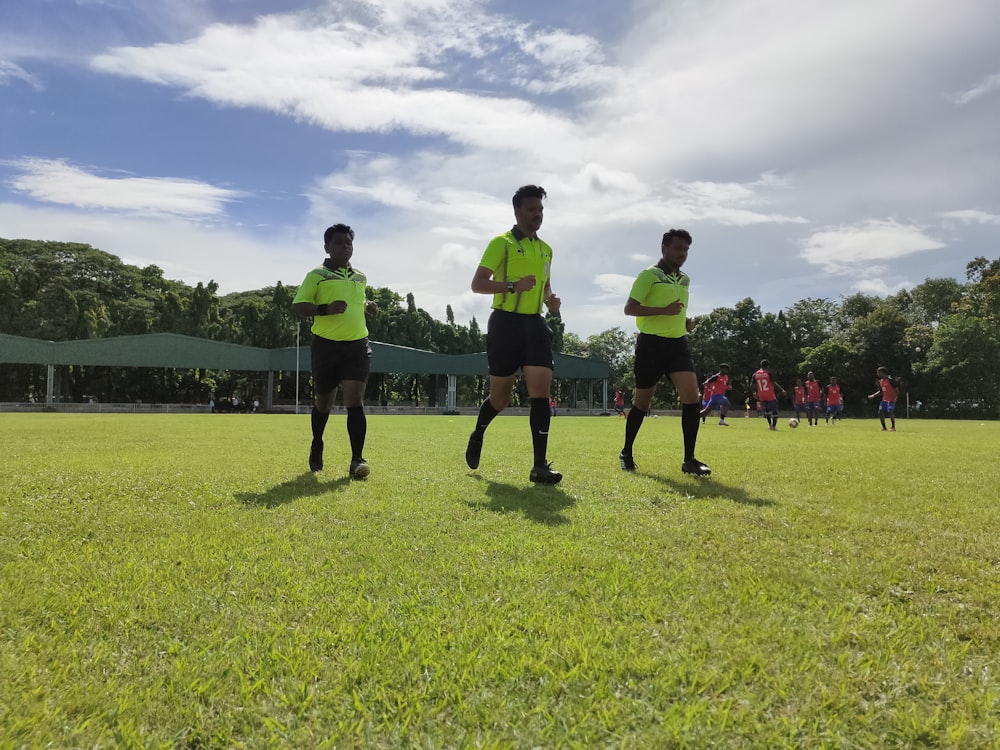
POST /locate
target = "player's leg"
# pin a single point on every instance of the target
(501, 388)
(538, 381)
(723, 411)
(881, 415)
(641, 400)
(325, 381)
(503, 352)
(686, 385)
(648, 368)
(357, 426)
(892, 417)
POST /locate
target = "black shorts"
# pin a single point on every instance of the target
(334, 361)
(514, 340)
(656, 356)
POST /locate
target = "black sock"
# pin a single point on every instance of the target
(319, 420)
(689, 426)
(632, 425)
(539, 418)
(486, 414)
(357, 427)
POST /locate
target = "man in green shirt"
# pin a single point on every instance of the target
(658, 301)
(333, 295)
(515, 269)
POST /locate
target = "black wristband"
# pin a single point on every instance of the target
(321, 309)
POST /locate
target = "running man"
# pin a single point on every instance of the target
(766, 391)
(515, 269)
(333, 295)
(888, 388)
(814, 398)
(658, 301)
(715, 389)
(834, 404)
(799, 398)
(619, 403)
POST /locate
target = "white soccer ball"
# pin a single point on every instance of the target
(793, 423)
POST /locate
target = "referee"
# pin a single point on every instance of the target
(658, 301)
(515, 269)
(333, 295)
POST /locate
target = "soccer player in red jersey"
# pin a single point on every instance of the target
(814, 395)
(715, 389)
(888, 387)
(834, 404)
(766, 391)
(799, 398)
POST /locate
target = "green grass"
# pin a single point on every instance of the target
(182, 581)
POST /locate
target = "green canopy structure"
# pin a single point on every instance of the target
(189, 352)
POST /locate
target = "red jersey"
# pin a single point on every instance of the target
(765, 386)
(717, 387)
(833, 395)
(800, 394)
(889, 391)
(813, 390)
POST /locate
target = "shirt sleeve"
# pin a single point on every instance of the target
(307, 290)
(493, 255)
(641, 286)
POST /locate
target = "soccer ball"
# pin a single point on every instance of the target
(793, 422)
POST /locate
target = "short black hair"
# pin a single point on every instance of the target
(764, 363)
(671, 233)
(336, 229)
(527, 191)
(723, 365)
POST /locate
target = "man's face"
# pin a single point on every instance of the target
(675, 252)
(529, 214)
(340, 248)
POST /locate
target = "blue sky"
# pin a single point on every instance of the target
(813, 149)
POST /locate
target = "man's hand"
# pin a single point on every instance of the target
(371, 307)
(553, 303)
(674, 308)
(338, 307)
(525, 283)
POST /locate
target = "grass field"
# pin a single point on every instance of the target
(183, 581)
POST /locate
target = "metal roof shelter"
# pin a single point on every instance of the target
(189, 352)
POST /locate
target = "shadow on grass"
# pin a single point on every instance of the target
(707, 488)
(541, 503)
(304, 485)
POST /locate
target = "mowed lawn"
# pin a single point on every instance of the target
(185, 581)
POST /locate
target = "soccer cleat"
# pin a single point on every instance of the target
(626, 462)
(892, 429)
(473, 450)
(316, 456)
(360, 469)
(696, 467)
(723, 423)
(884, 430)
(544, 475)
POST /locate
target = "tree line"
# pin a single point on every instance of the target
(941, 337)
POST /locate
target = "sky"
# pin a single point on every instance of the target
(813, 149)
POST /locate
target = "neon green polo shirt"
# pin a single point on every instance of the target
(655, 288)
(512, 256)
(325, 285)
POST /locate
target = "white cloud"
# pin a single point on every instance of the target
(849, 250)
(55, 181)
(973, 216)
(986, 86)
(236, 260)
(10, 72)
(881, 288)
(613, 286)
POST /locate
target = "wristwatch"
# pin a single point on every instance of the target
(510, 287)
